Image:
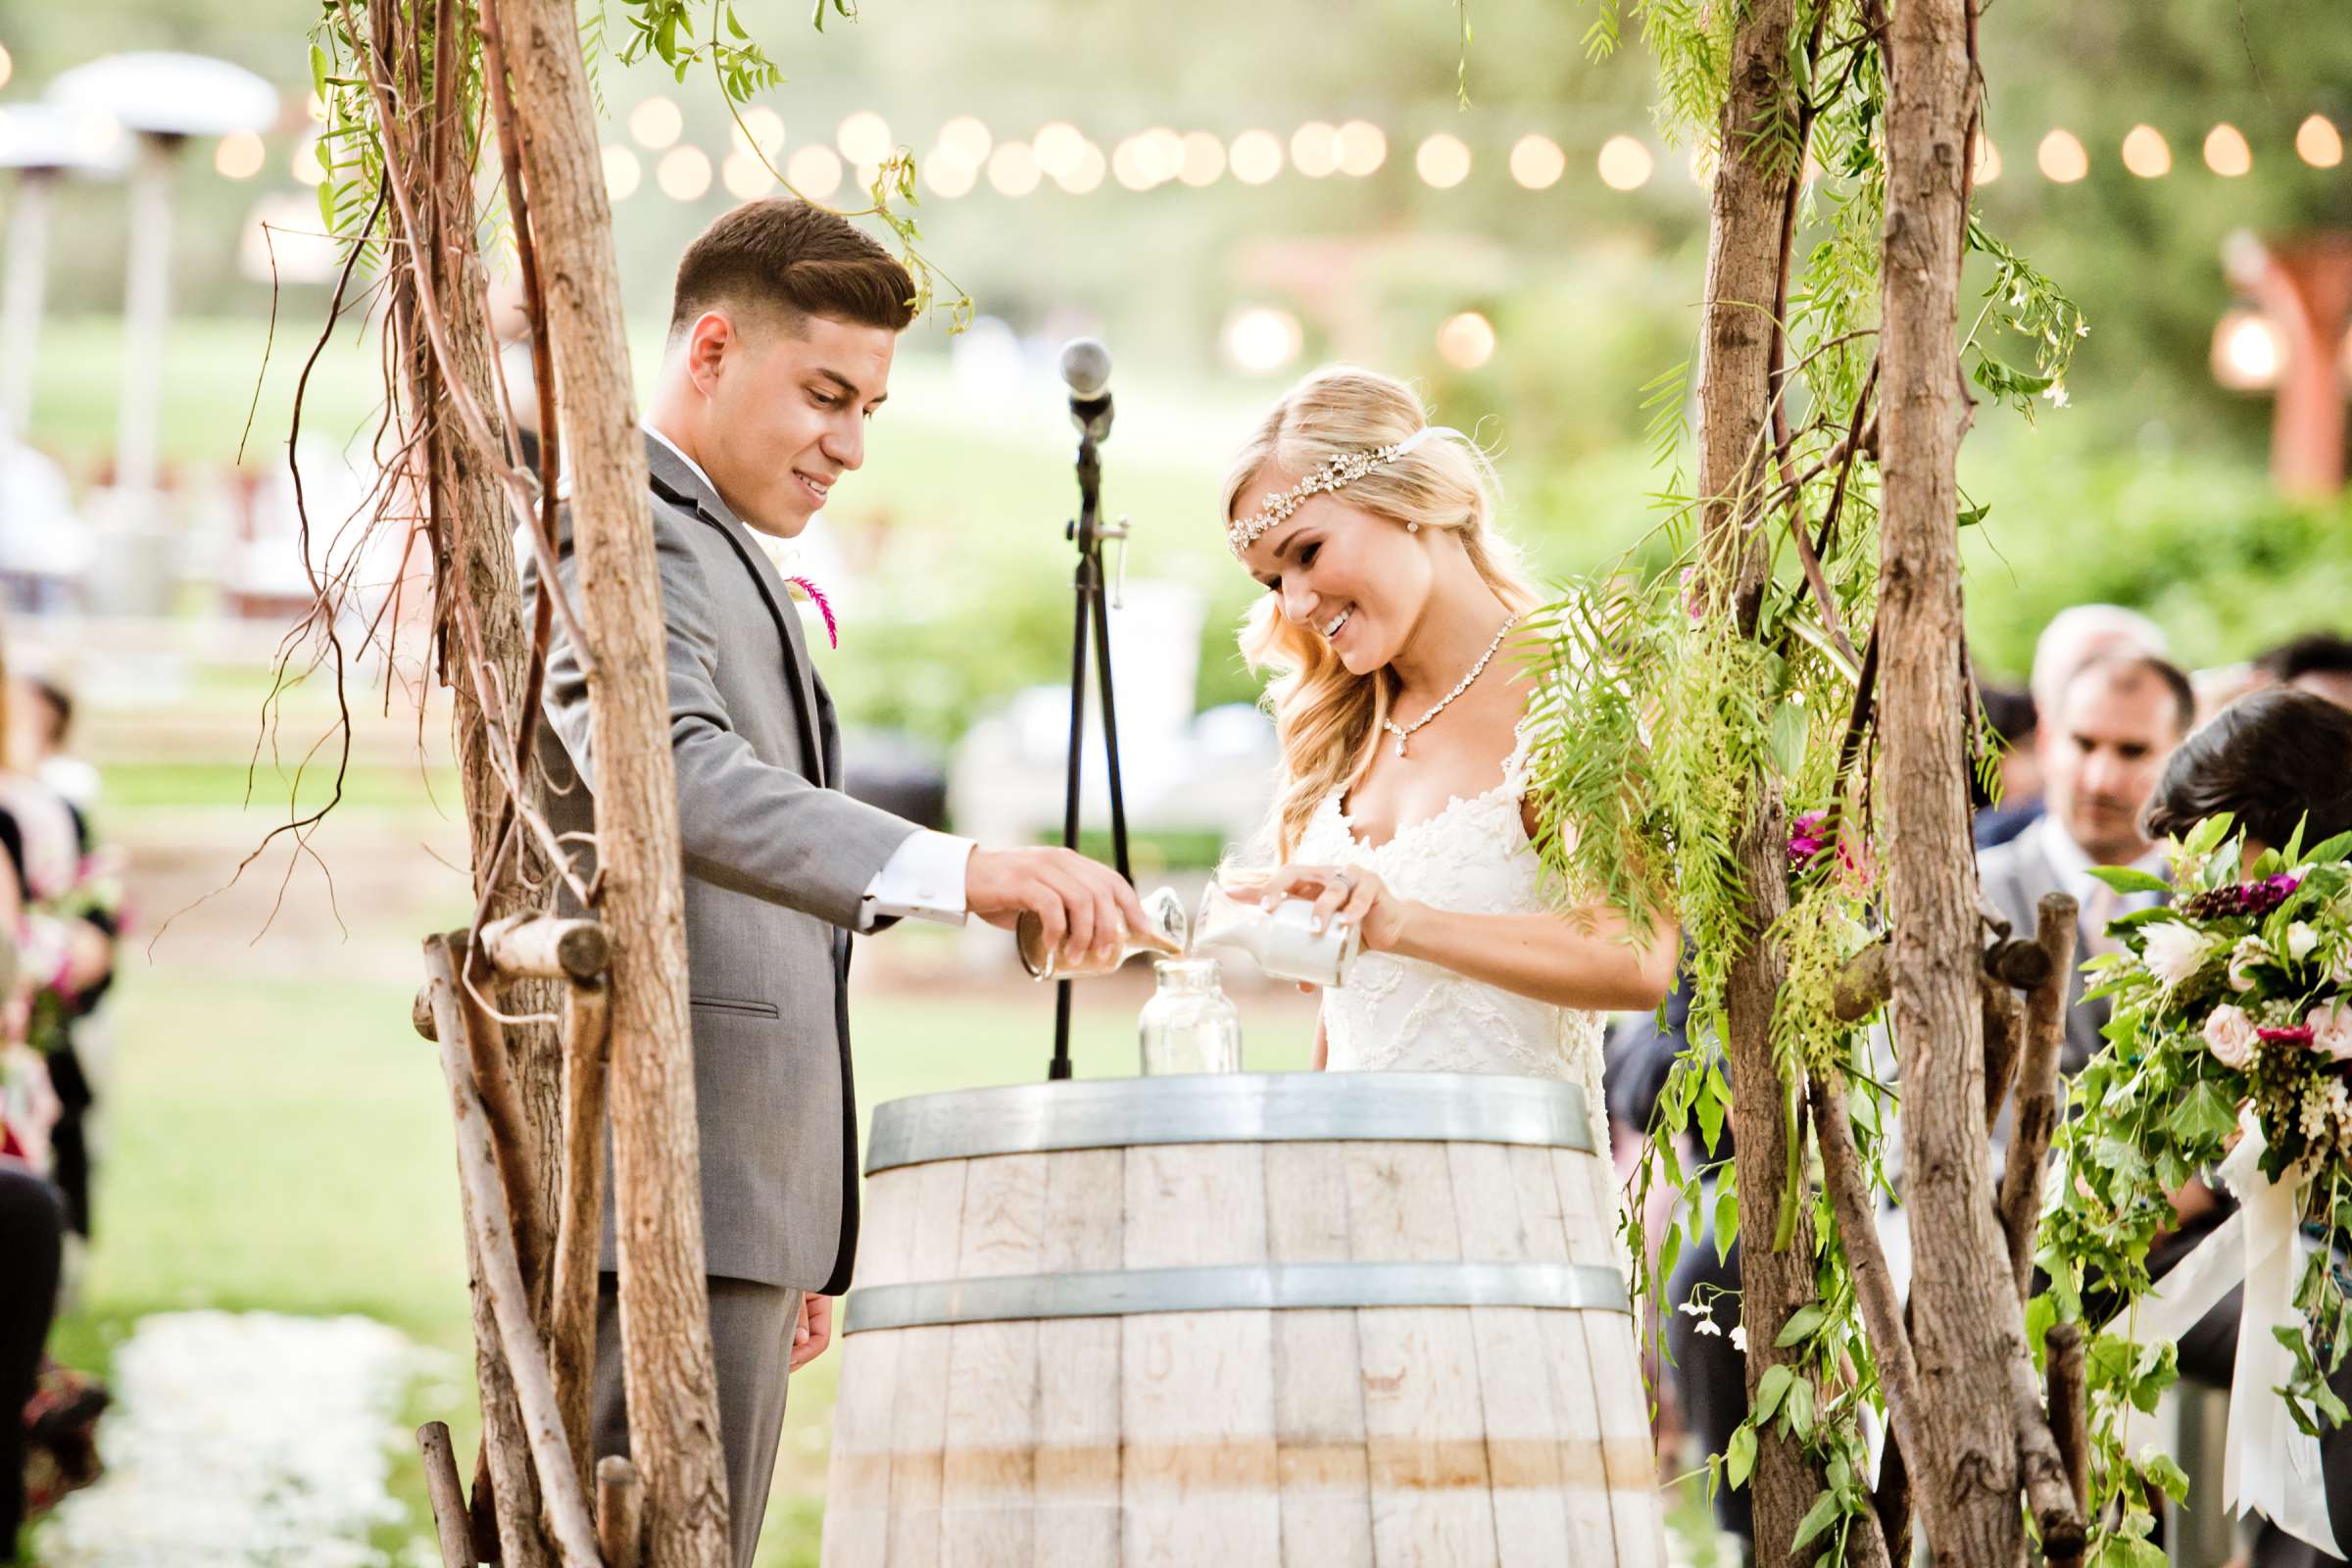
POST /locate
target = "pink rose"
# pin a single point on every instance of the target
(2331, 1030)
(2229, 1036)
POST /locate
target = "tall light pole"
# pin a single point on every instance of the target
(42, 143)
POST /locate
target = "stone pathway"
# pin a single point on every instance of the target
(244, 1439)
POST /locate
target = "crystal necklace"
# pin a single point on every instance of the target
(1461, 686)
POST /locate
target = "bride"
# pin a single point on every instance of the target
(1403, 722)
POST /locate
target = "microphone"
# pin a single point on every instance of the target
(1086, 370)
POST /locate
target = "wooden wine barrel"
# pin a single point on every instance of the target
(1241, 1319)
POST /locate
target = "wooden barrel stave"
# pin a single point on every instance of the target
(1475, 1434)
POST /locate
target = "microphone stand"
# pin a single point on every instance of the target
(1093, 616)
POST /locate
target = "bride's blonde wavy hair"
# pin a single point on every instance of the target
(1326, 718)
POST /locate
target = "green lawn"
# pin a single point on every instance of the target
(285, 1145)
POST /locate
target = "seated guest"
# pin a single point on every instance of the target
(2319, 662)
(2102, 745)
(2010, 714)
(2274, 760)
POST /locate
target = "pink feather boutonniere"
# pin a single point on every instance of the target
(803, 588)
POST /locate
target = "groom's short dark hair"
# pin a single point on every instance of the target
(787, 257)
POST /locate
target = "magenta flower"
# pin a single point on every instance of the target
(824, 606)
(2245, 898)
(2298, 1034)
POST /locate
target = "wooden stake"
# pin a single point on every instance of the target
(450, 1526)
(502, 1275)
(571, 1332)
(2037, 1090)
(545, 948)
(509, 1128)
(619, 1511)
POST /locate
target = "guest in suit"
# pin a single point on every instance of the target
(2073, 637)
(783, 326)
(2102, 745)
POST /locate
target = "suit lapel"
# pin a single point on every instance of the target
(677, 483)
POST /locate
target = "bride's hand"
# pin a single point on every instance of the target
(1349, 895)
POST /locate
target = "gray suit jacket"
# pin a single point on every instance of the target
(2015, 876)
(777, 861)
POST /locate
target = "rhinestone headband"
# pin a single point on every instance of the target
(1340, 472)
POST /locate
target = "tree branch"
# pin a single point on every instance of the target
(2038, 1089)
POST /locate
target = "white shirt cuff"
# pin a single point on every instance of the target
(923, 879)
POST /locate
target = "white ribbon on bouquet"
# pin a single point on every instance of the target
(2269, 1465)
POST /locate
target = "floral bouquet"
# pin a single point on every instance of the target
(2229, 1048)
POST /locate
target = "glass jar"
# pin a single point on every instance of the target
(1190, 1024)
(1281, 941)
(1164, 936)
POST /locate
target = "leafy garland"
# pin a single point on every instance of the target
(351, 146)
(2230, 995)
(1662, 714)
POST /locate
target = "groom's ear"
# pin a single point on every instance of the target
(710, 340)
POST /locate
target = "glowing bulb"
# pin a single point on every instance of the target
(656, 123)
(1538, 163)
(813, 171)
(1363, 148)
(2246, 352)
(623, 173)
(2061, 158)
(1625, 164)
(2145, 153)
(1129, 164)
(1315, 149)
(1467, 341)
(2226, 150)
(1256, 156)
(1012, 169)
(239, 156)
(864, 138)
(307, 167)
(1060, 148)
(1087, 176)
(8, 65)
(683, 174)
(761, 131)
(2319, 143)
(1443, 161)
(746, 175)
(1203, 158)
(1260, 340)
(967, 138)
(948, 173)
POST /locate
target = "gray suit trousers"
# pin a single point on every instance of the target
(751, 1330)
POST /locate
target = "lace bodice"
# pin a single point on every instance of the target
(1403, 1014)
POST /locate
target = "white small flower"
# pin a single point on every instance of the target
(2249, 952)
(2174, 953)
(1739, 1338)
(2332, 1031)
(1706, 1325)
(2229, 1036)
(2300, 940)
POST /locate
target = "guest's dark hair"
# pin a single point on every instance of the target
(796, 260)
(2128, 670)
(2009, 710)
(2272, 759)
(59, 703)
(2324, 653)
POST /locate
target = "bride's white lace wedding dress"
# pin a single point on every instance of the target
(1403, 1015)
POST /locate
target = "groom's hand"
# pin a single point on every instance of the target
(1084, 907)
(813, 1332)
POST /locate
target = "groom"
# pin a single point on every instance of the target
(782, 327)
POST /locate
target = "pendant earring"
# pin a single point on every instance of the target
(1412, 528)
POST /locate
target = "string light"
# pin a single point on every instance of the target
(1363, 148)
(683, 174)
(760, 130)
(864, 138)
(1130, 165)
(1537, 162)
(1261, 340)
(305, 166)
(2145, 153)
(2061, 158)
(1315, 149)
(1256, 156)
(656, 123)
(623, 173)
(239, 156)
(948, 173)
(746, 175)
(813, 171)
(1467, 341)
(2226, 150)
(967, 139)
(1203, 160)
(2246, 353)
(2319, 143)
(1059, 147)
(1092, 166)
(1625, 164)
(1012, 169)
(1442, 160)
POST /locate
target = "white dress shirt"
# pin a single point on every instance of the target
(923, 878)
(2073, 864)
